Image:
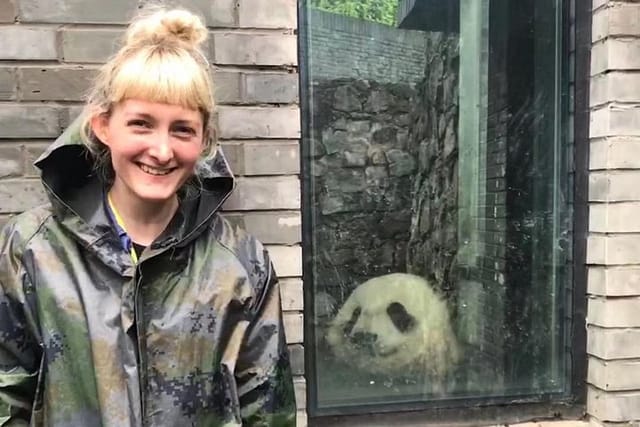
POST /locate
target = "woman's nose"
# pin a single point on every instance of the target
(161, 148)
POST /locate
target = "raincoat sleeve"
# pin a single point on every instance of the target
(19, 352)
(263, 372)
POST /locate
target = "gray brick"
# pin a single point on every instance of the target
(263, 157)
(19, 121)
(614, 218)
(296, 354)
(89, 45)
(615, 86)
(615, 153)
(274, 227)
(291, 294)
(77, 11)
(8, 84)
(301, 418)
(271, 88)
(267, 14)
(255, 49)
(615, 120)
(216, 13)
(7, 11)
(615, 54)
(614, 281)
(33, 150)
(610, 344)
(600, 27)
(271, 158)
(20, 42)
(619, 406)
(615, 375)
(613, 249)
(293, 328)
(19, 195)
(287, 260)
(614, 312)
(620, 20)
(233, 153)
(55, 83)
(226, 87)
(11, 160)
(69, 114)
(300, 389)
(596, 4)
(614, 186)
(265, 193)
(246, 123)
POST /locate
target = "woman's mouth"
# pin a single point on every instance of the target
(155, 171)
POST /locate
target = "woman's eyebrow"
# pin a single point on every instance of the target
(140, 115)
(183, 122)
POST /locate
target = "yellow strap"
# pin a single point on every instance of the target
(134, 256)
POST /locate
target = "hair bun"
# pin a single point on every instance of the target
(167, 26)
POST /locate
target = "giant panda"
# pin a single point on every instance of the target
(395, 325)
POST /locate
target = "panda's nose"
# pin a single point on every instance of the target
(364, 339)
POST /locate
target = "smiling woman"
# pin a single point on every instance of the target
(129, 300)
(153, 148)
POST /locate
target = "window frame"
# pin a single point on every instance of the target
(474, 410)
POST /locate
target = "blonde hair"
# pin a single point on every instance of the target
(161, 60)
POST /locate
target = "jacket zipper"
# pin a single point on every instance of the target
(138, 323)
(137, 314)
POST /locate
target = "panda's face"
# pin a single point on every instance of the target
(379, 330)
(392, 323)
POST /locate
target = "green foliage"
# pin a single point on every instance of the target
(382, 11)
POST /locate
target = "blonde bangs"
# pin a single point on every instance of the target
(158, 75)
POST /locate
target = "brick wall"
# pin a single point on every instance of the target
(51, 49)
(345, 47)
(613, 250)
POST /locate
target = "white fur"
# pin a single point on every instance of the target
(430, 349)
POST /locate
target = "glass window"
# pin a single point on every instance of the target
(437, 215)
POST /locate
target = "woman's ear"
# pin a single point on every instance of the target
(100, 127)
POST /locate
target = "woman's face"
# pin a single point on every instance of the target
(154, 147)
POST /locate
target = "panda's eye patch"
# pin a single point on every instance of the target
(400, 318)
(352, 322)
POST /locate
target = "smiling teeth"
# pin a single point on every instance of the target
(154, 171)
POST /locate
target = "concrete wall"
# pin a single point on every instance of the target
(613, 251)
(45, 68)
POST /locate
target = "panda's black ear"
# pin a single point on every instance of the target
(401, 319)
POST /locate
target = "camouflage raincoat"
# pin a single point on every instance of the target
(190, 336)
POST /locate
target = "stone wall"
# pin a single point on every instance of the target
(45, 68)
(433, 143)
(344, 47)
(363, 175)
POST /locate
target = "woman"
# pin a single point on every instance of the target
(128, 300)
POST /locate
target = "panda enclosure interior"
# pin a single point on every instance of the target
(404, 180)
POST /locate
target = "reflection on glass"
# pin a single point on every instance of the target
(436, 172)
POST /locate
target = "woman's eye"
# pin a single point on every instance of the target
(139, 124)
(185, 131)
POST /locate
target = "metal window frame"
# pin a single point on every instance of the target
(481, 410)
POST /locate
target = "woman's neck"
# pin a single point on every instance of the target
(143, 221)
